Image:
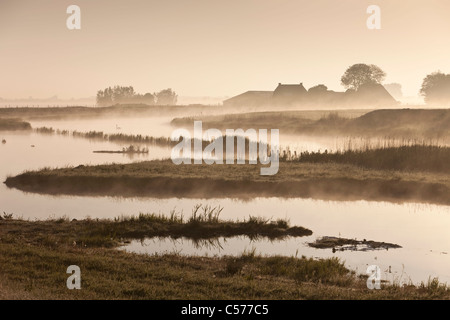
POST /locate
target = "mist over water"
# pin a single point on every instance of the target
(422, 230)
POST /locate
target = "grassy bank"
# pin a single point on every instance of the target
(56, 113)
(413, 158)
(324, 177)
(403, 123)
(33, 265)
(13, 124)
(204, 223)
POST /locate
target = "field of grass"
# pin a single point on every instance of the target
(34, 256)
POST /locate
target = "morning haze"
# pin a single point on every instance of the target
(226, 46)
(205, 149)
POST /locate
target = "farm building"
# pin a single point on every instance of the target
(296, 95)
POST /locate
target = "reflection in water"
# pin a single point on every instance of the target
(422, 230)
(397, 265)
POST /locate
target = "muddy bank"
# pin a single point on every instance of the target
(343, 244)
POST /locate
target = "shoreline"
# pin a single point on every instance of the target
(34, 256)
(163, 179)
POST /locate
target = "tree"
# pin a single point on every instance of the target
(166, 97)
(436, 88)
(123, 94)
(115, 95)
(105, 97)
(127, 95)
(147, 98)
(359, 74)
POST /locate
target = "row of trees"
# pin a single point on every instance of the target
(126, 95)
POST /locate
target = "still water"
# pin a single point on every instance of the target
(422, 230)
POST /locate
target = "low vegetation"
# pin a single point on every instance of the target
(413, 158)
(122, 110)
(13, 124)
(412, 173)
(204, 223)
(126, 150)
(342, 244)
(400, 123)
(34, 256)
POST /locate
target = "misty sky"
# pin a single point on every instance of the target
(212, 47)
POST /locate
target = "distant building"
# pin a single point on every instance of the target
(250, 99)
(288, 95)
(373, 94)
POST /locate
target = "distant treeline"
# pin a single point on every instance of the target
(126, 95)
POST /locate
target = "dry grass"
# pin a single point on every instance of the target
(204, 223)
(404, 123)
(335, 181)
(39, 272)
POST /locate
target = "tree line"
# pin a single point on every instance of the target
(435, 86)
(126, 95)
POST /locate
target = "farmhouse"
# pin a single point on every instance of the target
(295, 95)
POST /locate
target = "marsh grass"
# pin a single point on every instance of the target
(434, 287)
(203, 224)
(45, 130)
(415, 157)
(139, 139)
(127, 150)
(205, 214)
(410, 123)
(322, 179)
(35, 254)
(32, 271)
